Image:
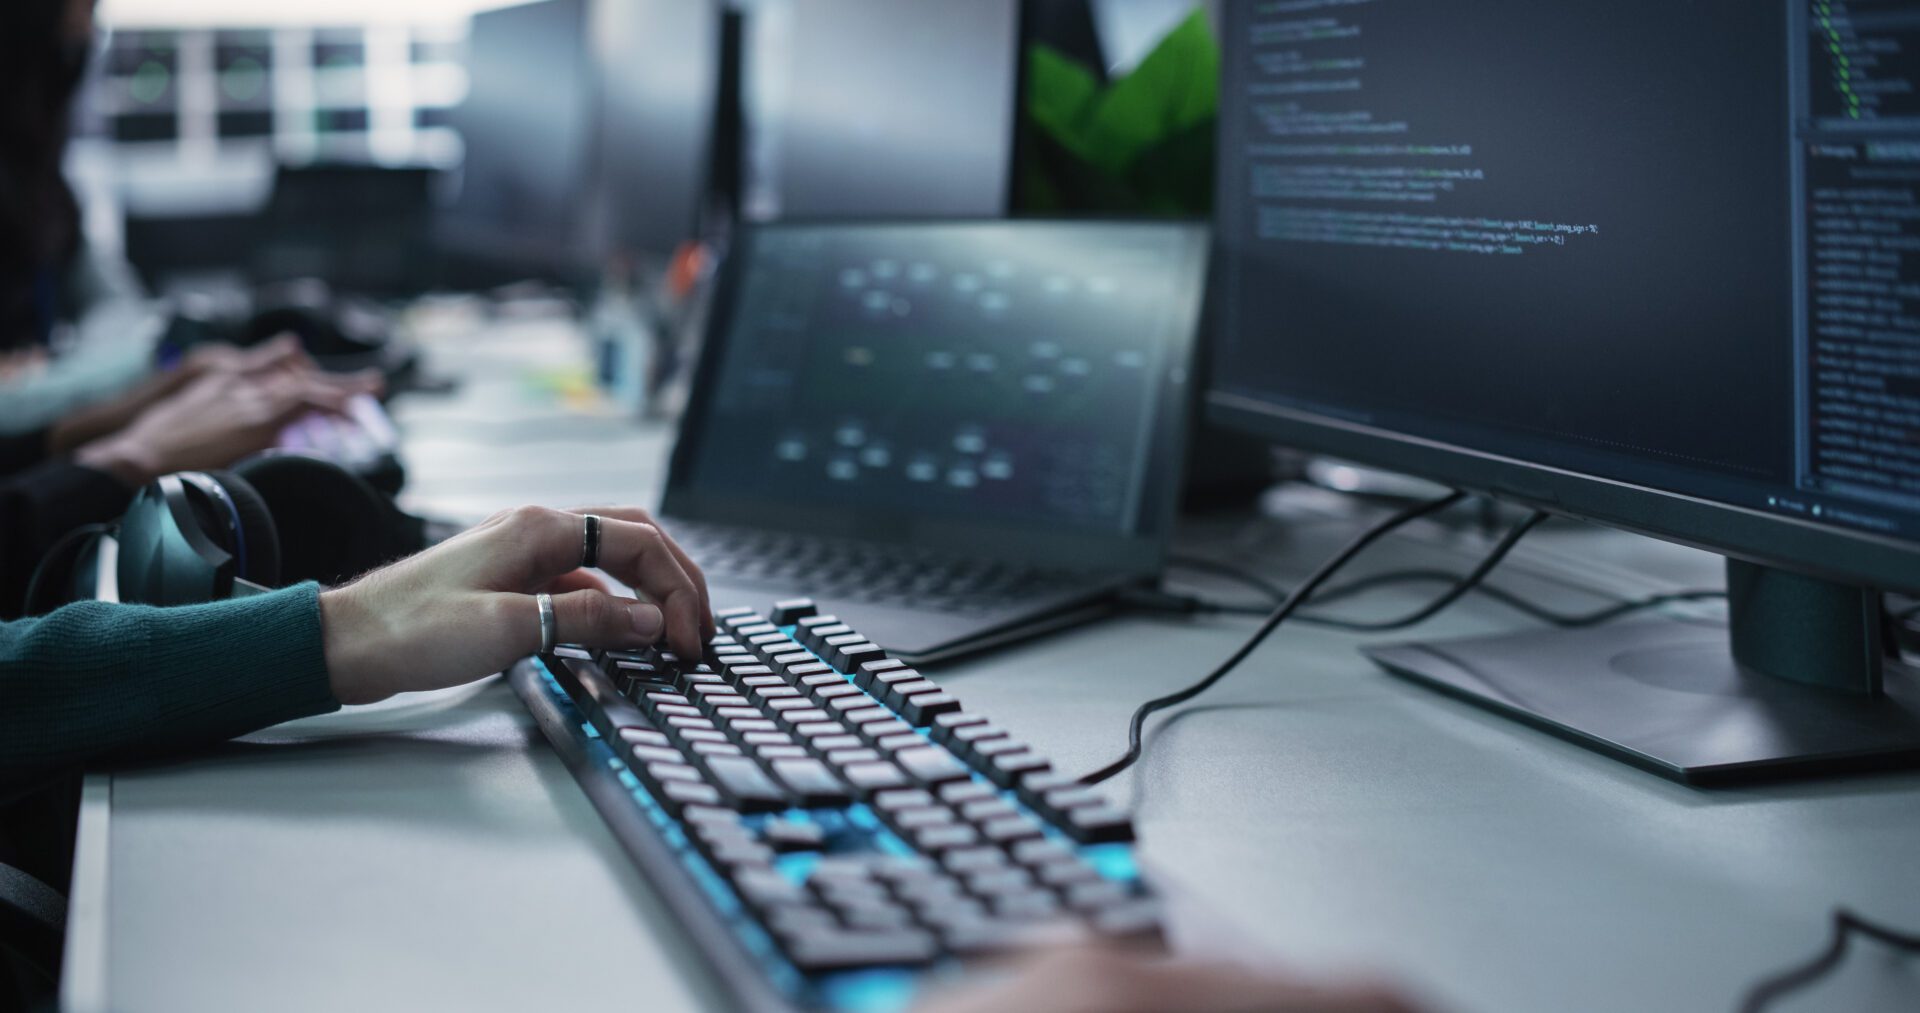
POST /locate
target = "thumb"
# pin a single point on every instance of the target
(598, 619)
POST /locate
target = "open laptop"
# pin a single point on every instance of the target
(949, 434)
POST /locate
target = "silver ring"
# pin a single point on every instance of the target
(547, 628)
(590, 542)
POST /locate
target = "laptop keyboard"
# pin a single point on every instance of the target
(851, 570)
(853, 827)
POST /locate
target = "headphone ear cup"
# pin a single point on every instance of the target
(55, 581)
(260, 536)
(337, 525)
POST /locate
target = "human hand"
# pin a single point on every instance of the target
(1114, 981)
(464, 609)
(218, 420)
(282, 354)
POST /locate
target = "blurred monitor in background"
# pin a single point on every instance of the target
(527, 126)
(657, 64)
(880, 108)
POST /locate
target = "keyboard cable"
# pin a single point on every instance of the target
(1296, 598)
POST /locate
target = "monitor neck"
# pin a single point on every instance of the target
(1806, 630)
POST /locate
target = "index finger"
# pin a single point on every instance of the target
(638, 515)
(643, 557)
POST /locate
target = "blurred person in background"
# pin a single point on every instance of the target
(85, 418)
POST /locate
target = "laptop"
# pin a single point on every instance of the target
(951, 434)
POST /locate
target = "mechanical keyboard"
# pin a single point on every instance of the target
(833, 830)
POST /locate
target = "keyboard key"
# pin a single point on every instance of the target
(867, 715)
(1008, 768)
(827, 694)
(903, 798)
(792, 610)
(675, 771)
(812, 782)
(944, 724)
(898, 690)
(765, 888)
(677, 793)
(851, 658)
(1098, 824)
(882, 728)
(868, 777)
(937, 839)
(796, 717)
(987, 809)
(749, 786)
(789, 835)
(961, 792)
(964, 861)
(1008, 830)
(1042, 853)
(904, 740)
(923, 708)
(931, 765)
(843, 757)
(643, 755)
(817, 952)
(1137, 921)
(967, 740)
(768, 754)
(644, 737)
(908, 820)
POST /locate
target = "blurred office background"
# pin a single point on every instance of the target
(392, 149)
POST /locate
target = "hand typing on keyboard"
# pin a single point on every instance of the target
(465, 609)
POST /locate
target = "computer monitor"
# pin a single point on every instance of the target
(657, 68)
(526, 126)
(880, 108)
(1646, 264)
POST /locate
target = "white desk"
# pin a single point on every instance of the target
(432, 852)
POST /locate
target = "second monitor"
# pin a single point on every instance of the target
(956, 431)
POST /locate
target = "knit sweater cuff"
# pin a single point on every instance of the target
(227, 668)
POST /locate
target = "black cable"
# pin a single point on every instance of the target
(1340, 591)
(1286, 608)
(1845, 923)
(1450, 595)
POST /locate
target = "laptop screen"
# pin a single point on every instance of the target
(1009, 374)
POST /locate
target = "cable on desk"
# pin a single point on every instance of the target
(1189, 604)
(1467, 582)
(1299, 596)
(1768, 990)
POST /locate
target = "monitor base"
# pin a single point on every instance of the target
(1668, 696)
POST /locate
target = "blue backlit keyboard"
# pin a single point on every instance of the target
(832, 829)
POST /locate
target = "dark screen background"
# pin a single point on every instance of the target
(1656, 349)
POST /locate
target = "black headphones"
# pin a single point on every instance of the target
(197, 536)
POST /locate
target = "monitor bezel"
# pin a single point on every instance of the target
(1818, 550)
(1140, 550)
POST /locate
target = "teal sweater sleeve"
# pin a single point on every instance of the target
(94, 680)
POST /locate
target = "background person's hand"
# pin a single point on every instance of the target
(464, 609)
(1113, 981)
(97, 421)
(217, 420)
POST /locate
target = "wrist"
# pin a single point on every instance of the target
(355, 639)
(124, 459)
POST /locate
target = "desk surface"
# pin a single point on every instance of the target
(431, 852)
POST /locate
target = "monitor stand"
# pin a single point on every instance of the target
(1798, 681)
